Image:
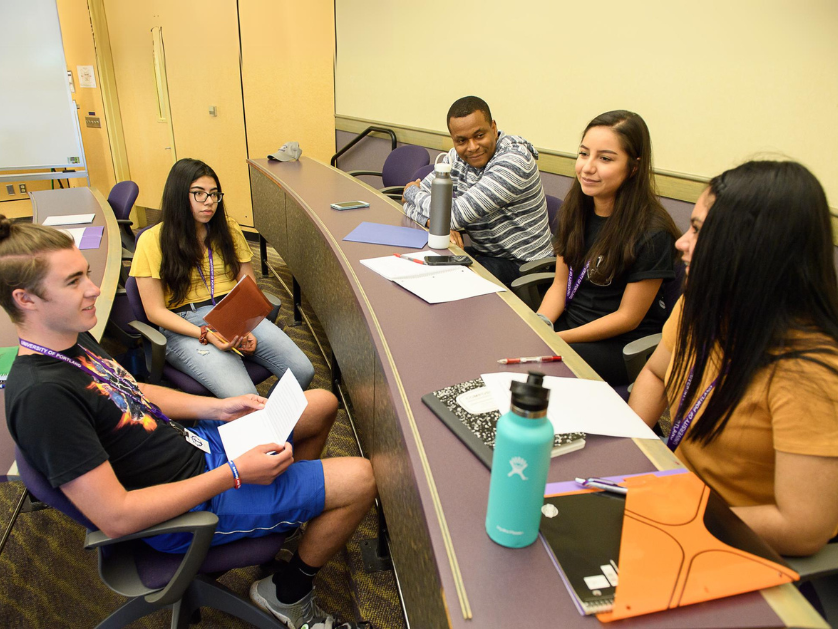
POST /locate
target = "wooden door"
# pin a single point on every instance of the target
(199, 69)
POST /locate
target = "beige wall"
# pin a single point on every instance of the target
(288, 70)
(717, 82)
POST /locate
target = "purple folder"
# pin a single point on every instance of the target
(92, 237)
(378, 234)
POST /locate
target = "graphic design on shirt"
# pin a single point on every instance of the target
(122, 390)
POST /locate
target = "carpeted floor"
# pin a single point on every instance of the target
(49, 580)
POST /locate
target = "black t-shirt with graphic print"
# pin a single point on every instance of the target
(655, 260)
(67, 424)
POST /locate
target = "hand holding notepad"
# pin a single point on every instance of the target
(272, 424)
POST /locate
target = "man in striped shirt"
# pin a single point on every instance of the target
(498, 198)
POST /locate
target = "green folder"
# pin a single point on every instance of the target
(7, 357)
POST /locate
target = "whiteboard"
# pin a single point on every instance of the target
(38, 122)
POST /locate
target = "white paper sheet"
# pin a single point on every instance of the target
(272, 424)
(70, 219)
(76, 233)
(577, 405)
(395, 268)
(452, 286)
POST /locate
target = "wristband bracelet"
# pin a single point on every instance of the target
(236, 478)
(203, 340)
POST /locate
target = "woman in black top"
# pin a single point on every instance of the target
(614, 247)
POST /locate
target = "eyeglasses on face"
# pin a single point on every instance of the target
(201, 195)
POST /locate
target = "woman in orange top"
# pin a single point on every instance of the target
(748, 363)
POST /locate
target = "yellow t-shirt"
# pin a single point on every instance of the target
(148, 257)
(791, 406)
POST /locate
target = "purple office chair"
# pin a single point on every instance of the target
(554, 204)
(154, 344)
(121, 199)
(422, 172)
(153, 580)
(400, 164)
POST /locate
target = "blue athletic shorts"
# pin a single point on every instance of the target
(296, 496)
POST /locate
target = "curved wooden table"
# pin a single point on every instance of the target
(392, 348)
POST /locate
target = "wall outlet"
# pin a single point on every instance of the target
(22, 188)
(10, 189)
(93, 122)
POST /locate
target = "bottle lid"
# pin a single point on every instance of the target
(439, 167)
(531, 396)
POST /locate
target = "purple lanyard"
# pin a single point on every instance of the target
(571, 287)
(211, 287)
(680, 429)
(122, 385)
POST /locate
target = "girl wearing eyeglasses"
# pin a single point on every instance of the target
(748, 363)
(614, 247)
(189, 262)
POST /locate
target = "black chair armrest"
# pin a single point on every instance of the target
(636, 354)
(124, 221)
(155, 350)
(123, 576)
(390, 190)
(538, 266)
(527, 288)
(357, 173)
(276, 302)
(822, 564)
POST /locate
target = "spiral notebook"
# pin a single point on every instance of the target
(468, 409)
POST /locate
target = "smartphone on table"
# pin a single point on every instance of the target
(349, 205)
(448, 260)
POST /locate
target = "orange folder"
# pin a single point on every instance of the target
(682, 545)
(241, 310)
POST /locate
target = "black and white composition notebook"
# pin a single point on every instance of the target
(470, 412)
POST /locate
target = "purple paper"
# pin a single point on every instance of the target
(570, 486)
(378, 234)
(92, 237)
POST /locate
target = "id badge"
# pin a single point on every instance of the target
(195, 440)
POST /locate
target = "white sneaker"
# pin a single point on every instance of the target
(304, 614)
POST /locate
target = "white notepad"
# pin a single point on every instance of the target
(272, 424)
(70, 219)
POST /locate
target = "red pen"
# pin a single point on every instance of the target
(529, 359)
(404, 257)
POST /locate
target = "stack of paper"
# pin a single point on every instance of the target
(402, 268)
(577, 405)
(70, 219)
(86, 237)
(272, 424)
(434, 284)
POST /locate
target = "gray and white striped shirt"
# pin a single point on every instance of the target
(501, 206)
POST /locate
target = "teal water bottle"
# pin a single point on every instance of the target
(520, 462)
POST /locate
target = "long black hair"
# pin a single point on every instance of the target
(762, 287)
(178, 238)
(636, 206)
